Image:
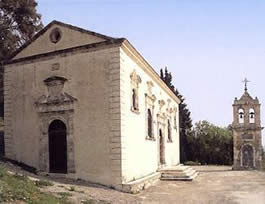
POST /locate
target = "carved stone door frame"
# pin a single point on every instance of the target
(243, 154)
(46, 118)
(55, 105)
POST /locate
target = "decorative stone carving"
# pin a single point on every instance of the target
(135, 81)
(149, 105)
(150, 85)
(55, 96)
(56, 105)
(161, 104)
(135, 78)
(169, 109)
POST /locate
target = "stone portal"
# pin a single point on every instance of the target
(247, 157)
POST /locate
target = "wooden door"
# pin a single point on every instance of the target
(57, 147)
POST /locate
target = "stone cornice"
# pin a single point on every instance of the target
(248, 128)
(64, 52)
(135, 55)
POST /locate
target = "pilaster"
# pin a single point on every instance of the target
(8, 114)
(115, 117)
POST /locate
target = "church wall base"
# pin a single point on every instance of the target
(240, 168)
(139, 185)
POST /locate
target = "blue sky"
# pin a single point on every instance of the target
(210, 46)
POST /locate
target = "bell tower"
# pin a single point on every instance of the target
(247, 132)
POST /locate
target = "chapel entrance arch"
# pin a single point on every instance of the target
(57, 147)
(247, 156)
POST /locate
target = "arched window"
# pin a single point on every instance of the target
(135, 81)
(169, 131)
(134, 100)
(241, 115)
(251, 115)
(150, 119)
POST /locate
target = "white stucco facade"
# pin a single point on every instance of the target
(85, 80)
(140, 156)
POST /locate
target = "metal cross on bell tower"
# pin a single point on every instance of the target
(246, 81)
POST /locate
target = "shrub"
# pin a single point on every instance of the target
(43, 183)
(72, 188)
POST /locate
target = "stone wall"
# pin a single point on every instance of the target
(92, 121)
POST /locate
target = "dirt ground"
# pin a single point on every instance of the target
(215, 184)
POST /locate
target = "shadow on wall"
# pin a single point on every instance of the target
(2, 144)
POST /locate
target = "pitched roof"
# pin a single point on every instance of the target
(102, 44)
(41, 32)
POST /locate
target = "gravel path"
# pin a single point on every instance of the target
(214, 185)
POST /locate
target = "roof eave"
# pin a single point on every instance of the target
(127, 44)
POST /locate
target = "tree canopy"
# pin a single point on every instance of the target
(19, 21)
(210, 144)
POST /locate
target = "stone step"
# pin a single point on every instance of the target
(190, 178)
(180, 173)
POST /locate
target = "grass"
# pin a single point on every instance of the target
(64, 195)
(20, 188)
(91, 201)
(43, 183)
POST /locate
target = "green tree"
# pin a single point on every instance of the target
(210, 144)
(185, 121)
(19, 21)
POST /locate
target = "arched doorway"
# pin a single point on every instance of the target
(247, 156)
(161, 148)
(57, 147)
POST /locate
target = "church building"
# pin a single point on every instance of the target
(88, 106)
(247, 132)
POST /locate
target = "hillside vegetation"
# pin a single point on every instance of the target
(15, 187)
